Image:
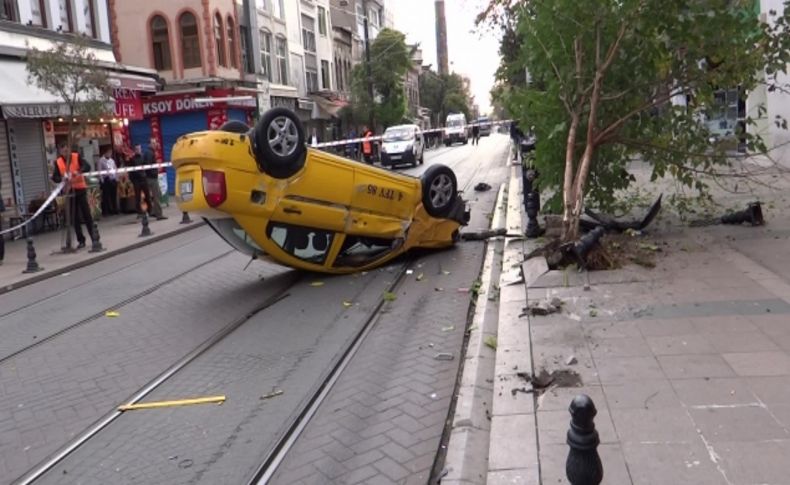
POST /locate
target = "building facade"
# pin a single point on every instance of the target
(32, 121)
(195, 47)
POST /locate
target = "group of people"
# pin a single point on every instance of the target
(70, 166)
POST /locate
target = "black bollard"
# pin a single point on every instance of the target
(185, 218)
(146, 230)
(583, 466)
(32, 265)
(753, 215)
(96, 246)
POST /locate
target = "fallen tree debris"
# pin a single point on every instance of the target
(612, 224)
(482, 187)
(545, 307)
(753, 215)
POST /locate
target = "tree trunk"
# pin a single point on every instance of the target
(567, 187)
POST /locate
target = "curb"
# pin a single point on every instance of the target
(466, 461)
(100, 257)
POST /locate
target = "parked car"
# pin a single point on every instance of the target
(402, 144)
(484, 122)
(456, 129)
(270, 196)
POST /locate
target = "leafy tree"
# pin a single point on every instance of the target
(615, 79)
(390, 59)
(444, 94)
(71, 71)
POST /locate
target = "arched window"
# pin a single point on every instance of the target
(231, 27)
(160, 41)
(190, 44)
(219, 36)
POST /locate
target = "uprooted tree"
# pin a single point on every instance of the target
(609, 80)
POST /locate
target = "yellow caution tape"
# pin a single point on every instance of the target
(166, 404)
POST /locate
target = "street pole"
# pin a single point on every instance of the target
(371, 125)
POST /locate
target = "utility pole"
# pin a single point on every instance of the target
(371, 121)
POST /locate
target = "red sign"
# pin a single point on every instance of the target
(128, 104)
(156, 132)
(216, 118)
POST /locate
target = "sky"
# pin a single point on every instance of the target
(473, 52)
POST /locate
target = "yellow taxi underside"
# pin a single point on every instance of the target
(329, 193)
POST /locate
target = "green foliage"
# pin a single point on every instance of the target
(643, 56)
(444, 94)
(390, 59)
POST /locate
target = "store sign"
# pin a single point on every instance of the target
(289, 103)
(53, 110)
(170, 105)
(128, 104)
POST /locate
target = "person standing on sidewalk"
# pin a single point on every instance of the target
(109, 184)
(139, 182)
(475, 134)
(152, 178)
(367, 147)
(71, 167)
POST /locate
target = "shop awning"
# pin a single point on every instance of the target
(328, 108)
(21, 99)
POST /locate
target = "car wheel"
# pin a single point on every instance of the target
(439, 190)
(234, 126)
(279, 143)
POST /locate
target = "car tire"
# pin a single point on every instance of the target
(234, 126)
(439, 190)
(279, 143)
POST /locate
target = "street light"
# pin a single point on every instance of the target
(345, 3)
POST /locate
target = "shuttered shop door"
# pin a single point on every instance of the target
(237, 115)
(6, 182)
(26, 142)
(173, 126)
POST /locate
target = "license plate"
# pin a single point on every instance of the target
(395, 157)
(186, 190)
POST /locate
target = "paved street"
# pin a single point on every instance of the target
(64, 363)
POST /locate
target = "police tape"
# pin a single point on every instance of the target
(136, 168)
(381, 137)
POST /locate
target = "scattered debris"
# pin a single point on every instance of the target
(571, 360)
(449, 328)
(753, 215)
(593, 312)
(545, 307)
(347, 304)
(317, 283)
(409, 271)
(389, 296)
(557, 378)
(483, 235)
(490, 341)
(612, 224)
(443, 356)
(180, 402)
(420, 277)
(112, 314)
(434, 396)
(445, 273)
(272, 394)
(516, 390)
(482, 187)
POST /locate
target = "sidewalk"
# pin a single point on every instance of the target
(118, 234)
(688, 365)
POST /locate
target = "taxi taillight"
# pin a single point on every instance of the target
(214, 188)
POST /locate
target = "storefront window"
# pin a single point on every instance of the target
(305, 243)
(190, 44)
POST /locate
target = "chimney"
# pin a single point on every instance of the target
(441, 38)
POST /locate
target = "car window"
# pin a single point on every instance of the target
(398, 134)
(305, 243)
(233, 234)
(358, 251)
(455, 122)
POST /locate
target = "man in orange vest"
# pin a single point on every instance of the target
(70, 167)
(367, 147)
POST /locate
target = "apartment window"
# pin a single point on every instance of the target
(325, 74)
(262, 5)
(308, 33)
(282, 60)
(266, 54)
(160, 41)
(66, 18)
(338, 75)
(322, 21)
(360, 19)
(90, 18)
(373, 17)
(190, 44)
(8, 10)
(231, 41)
(219, 37)
(277, 9)
(311, 77)
(246, 55)
(38, 9)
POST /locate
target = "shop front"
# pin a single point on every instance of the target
(168, 116)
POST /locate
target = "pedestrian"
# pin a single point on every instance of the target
(152, 178)
(367, 147)
(71, 167)
(139, 182)
(475, 134)
(109, 184)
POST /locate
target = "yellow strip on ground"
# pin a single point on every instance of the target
(166, 404)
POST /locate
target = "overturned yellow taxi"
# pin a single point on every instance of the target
(270, 196)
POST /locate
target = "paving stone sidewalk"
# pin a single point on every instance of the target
(117, 233)
(688, 365)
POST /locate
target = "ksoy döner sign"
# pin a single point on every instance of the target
(170, 105)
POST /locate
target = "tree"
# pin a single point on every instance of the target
(390, 59)
(613, 79)
(444, 94)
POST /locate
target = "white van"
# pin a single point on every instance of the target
(402, 144)
(456, 129)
